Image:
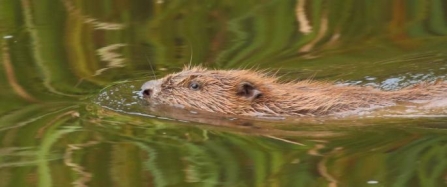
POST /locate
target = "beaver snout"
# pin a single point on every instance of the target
(147, 92)
(148, 89)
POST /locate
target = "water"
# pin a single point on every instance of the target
(69, 113)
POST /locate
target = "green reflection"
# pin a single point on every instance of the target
(70, 71)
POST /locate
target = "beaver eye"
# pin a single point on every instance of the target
(194, 85)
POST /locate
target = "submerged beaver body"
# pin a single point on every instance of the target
(248, 93)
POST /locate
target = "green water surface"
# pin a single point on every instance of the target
(70, 71)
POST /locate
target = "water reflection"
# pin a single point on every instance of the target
(69, 116)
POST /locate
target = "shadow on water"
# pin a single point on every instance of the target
(69, 115)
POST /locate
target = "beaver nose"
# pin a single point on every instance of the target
(148, 88)
(147, 92)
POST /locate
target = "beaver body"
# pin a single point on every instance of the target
(249, 93)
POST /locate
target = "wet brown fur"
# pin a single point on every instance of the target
(220, 92)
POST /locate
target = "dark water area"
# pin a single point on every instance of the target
(71, 70)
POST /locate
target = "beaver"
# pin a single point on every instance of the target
(252, 93)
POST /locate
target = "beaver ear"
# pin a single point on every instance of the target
(248, 91)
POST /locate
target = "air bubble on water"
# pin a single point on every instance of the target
(165, 118)
(372, 84)
(370, 78)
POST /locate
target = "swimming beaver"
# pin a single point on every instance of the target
(250, 93)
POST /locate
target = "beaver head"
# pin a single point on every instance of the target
(228, 92)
